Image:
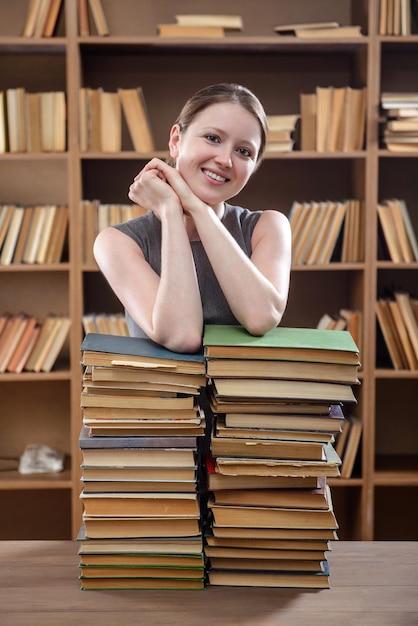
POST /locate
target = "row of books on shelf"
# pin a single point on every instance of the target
(32, 234)
(249, 500)
(105, 323)
(27, 344)
(333, 119)
(326, 231)
(96, 215)
(345, 319)
(102, 114)
(397, 17)
(41, 18)
(398, 321)
(32, 122)
(396, 231)
(400, 121)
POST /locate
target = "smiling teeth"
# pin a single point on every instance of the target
(220, 179)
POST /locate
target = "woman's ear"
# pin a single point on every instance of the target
(174, 141)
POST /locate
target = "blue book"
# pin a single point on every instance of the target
(110, 350)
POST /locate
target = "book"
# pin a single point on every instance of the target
(390, 334)
(10, 338)
(274, 389)
(134, 583)
(354, 119)
(312, 580)
(51, 352)
(52, 18)
(292, 498)
(273, 368)
(265, 517)
(83, 18)
(141, 559)
(292, 545)
(288, 534)
(180, 30)
(24, 345)
(352, 446)
(280, 467)
(86, 441)
(3, 124)
(34, 234)
(136, 115)
(323, 33)
(221, 430)
(405, 307)
(290, 29)
(308, 344)
(259, 448)
(138, 475)
(23, 233)
(108, 350)
(31, 18)
(12, 235)
(139, 401)
(403, 335)
(388, 231)
(99, 17)
(323, 117)
(110, 121)
(120, 374)
(307, 103)
(228, 22)
(331, 421)
(33, 121)
(139, 457)
(129, 528)
(141, 504)
(335, 228)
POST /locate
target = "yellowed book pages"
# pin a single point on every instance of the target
(312, 211)
(23, 233)
(47, 121)
(60, 119)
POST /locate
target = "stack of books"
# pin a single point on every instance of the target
(400, 121)
(276, 407)
(140, 446)
(281, 132)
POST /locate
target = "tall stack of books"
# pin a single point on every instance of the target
(276, 407)
(142, 421)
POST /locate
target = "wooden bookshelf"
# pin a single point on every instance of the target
(379, 498)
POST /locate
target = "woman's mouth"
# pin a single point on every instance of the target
(216, 177)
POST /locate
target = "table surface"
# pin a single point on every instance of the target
(372, 583)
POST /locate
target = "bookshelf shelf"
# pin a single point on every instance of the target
(278, 69)
(12, 480)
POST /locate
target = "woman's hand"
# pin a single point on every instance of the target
(151, 189)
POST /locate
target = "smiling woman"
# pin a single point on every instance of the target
(193, 258)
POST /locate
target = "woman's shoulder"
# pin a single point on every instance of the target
(139, 226)
(240, 215)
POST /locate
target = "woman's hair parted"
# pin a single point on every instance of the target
(225, 92)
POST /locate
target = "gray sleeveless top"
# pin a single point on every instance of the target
(146, 232)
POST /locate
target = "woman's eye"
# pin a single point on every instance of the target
(245, 152)
(212, 138)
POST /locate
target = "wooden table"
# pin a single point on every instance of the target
(373, 583)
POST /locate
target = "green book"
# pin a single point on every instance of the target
(293, 344)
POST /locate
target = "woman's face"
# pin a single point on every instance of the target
(217, 153)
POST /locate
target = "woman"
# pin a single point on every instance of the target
(193, 259)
